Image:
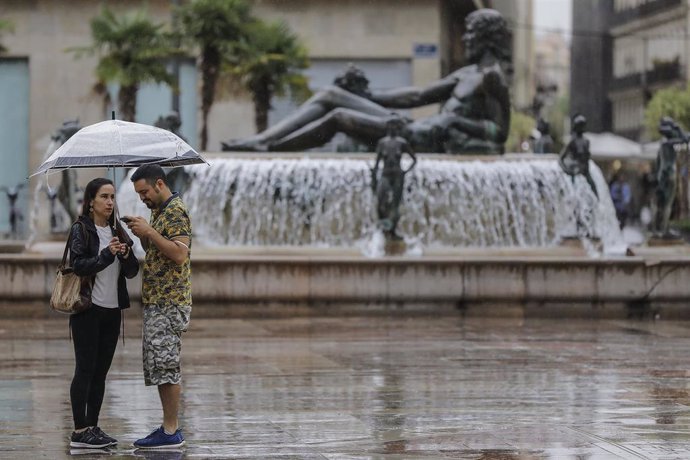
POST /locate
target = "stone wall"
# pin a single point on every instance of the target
(476, 286)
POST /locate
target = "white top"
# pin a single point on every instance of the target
(104, 293)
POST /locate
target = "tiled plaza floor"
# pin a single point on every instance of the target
(372, 388)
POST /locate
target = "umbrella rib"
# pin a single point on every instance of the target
(119, 136)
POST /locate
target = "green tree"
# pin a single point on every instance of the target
(521, 127)
(5, 26)
(556, 115)
(270, 64)
(219, 28)
(672, 102)
(132, 50)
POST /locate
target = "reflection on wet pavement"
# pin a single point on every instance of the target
(372, 388)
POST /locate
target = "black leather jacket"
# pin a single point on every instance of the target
(87, 260)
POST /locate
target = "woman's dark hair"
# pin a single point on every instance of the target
(90, 193)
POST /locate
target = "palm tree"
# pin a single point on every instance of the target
(269, 65)
(5, 26)
(132, 50)
(218, 28)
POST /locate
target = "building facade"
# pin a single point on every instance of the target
(396, 42)
(641, 46)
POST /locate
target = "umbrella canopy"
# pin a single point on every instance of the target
(117, 143)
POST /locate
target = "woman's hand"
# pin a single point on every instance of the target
(114, 246)
(124, 251)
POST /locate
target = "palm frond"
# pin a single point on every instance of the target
(131, 48)
(5, 26)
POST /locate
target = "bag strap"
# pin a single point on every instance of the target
(69, 240)
(64, 254)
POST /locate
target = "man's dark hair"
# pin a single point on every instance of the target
(151, 173)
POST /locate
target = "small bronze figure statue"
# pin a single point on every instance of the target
(666, 174)
(574, 159)
(171, 122)
(389, 187)
(15, 214)
(52, 195)
(68, 129)
(66, 191)
(545, 142)
(475, 104)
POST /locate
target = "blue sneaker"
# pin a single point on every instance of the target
(159, 439)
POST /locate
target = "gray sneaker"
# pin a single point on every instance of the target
(104, 435)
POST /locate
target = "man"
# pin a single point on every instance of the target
(166, 295)
(545, 142)
(621, 197)
(474, 115)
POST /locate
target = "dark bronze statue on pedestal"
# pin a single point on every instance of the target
(171, 122)
(67, 191)
(474, 115)
(575, 156)
(666, 175)
(389, 187)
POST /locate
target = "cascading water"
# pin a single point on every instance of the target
(446, 203)
(41, 186)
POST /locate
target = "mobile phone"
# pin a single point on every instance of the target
(126, 219)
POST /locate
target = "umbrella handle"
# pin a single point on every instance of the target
(120, 232)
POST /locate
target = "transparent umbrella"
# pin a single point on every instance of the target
(116, 143)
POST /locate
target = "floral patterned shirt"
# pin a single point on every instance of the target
(163, 281)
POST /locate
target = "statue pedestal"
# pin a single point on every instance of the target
(576, 242)
(12, 246)
(666, 240)
(395, 247)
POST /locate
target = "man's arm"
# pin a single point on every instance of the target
(175, 249)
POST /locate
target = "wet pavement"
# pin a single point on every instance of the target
(342, 388)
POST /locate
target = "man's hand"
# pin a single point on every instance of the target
(176, 250)
(139, 226)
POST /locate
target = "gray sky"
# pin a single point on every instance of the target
(552, 14)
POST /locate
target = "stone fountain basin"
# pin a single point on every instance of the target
(552, 282)
(11, 246)
(498, 280)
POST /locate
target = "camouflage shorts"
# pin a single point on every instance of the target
(163, 327)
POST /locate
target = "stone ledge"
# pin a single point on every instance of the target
(534, 285)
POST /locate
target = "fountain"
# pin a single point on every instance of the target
(482, 234)
(449, 202)
(63, 199)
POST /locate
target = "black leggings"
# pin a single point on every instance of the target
(95, 332)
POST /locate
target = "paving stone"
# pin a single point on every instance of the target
(350, 388)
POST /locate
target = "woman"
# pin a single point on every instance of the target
(96, 252)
